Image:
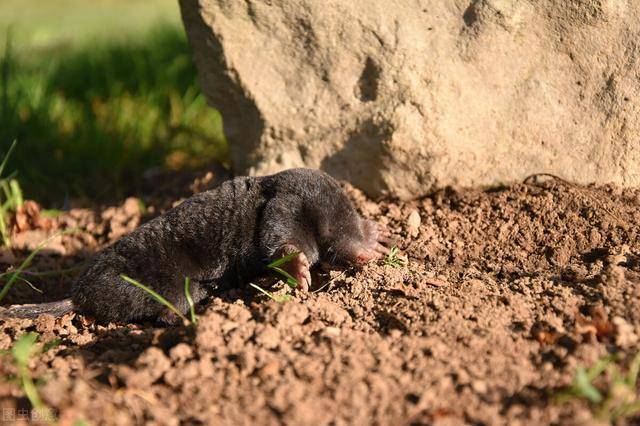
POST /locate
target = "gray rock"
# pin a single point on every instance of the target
(401, 97)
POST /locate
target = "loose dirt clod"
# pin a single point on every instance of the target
(505, 293)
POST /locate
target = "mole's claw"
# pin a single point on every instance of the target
(298, 267)
(381, 249)
(367, 255)
(386, 240)
(383, 231)
(375, 232)
(305, 282)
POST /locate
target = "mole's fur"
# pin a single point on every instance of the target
(224, 236)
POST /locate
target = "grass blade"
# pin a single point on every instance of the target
(16, 274)
(263, 291)
(283, 260)
(30, 284)
(4, 232)
(24, 347)
(7, 155)
(22, 351)
(270, 295)
(155, 295)
(51, 273)
(187, 294)
(585, 388)
(599, 368)
(30, 390)
(275, 266)
(292, 282)
(394, 260)
(16, 193)
(634, 370)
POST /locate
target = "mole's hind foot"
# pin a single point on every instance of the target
(168, 318)
(298, 267)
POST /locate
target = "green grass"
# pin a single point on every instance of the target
(275, 298)
(157, 297)
(97, 103)
(611, 392)
(18, 274)
(393, 258)
(288, 279)
(10, 197)
(187, 295)
(41, 25)
(23, 350)
(275, 266)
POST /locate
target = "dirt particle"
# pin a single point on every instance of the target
(331, 331)
(479, 386)
(150, 366)
(268, 337)
(413, 223)
(625, 333)
(180, 353)
(436, 282)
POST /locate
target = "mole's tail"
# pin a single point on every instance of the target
(56, 309)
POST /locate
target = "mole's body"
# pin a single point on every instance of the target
(223, 236)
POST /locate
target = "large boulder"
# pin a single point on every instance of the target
(401, 97)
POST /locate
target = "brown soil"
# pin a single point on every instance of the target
(506, 292)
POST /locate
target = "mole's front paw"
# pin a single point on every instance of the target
(374, 235)
(298, 267)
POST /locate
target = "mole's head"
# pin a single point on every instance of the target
(344, 237)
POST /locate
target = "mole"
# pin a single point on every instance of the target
(221, 237)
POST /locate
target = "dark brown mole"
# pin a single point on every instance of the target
(224, 236)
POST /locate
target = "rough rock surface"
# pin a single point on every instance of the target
(402, 97)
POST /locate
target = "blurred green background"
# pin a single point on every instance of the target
(99, 93)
